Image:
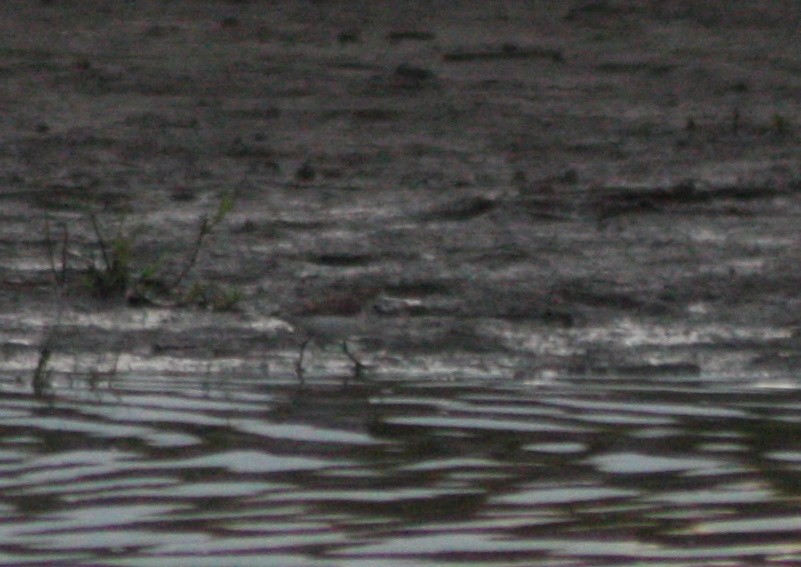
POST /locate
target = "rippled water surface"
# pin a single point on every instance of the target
(245, 467)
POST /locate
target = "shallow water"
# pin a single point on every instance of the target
(246, 467)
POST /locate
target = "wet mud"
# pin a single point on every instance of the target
(466, 175)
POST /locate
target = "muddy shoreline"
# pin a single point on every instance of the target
(518, 186)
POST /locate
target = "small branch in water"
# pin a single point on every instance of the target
(203, 230)
(358, 365)
(59, 274)
(41, 374)
(100, 241)
(96, 374)
(206, 226)
(64, 241)
(299, 363)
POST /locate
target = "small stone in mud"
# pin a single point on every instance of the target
(740, 87)
(249, 226)
(159, 31)
(519, 176)
(349, 37)
(412, 73)
(780, 124)
(82, 64)
(684, 190)
(558, 318)
(735, 121)
(463, 209)
(398, 36)
(305, 172)
(570, 175)
(182, 193)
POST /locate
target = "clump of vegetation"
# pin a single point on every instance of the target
(116, 270)
(113, 272)
(211, 296)
(779, 124)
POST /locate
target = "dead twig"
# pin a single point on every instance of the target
(41, 375)
(203, 230)
(207, 225)
(40, 380)
(101, 242)
(59, 273)
(299, 363)
(358, 366)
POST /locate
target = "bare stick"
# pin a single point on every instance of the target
(100, 241)
(203, 230)
(206, 226)
(59, 274)
(40, 375)
(358, 365)
(65, 236)
(299, 362)
(51, 252)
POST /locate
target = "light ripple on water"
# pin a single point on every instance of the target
(399, 471)
(299, 432)
(639, 463)
(249, 461)
(543, 496)
(466, 423)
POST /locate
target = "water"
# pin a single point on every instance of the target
(242, 466)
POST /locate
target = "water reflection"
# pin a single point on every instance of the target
(249, 469)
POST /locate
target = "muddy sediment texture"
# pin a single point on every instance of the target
(527, 180)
